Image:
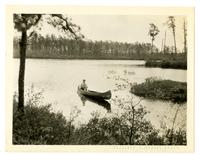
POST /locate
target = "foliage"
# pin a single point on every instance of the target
(171, 24)
(137, 130)
(25, 22)
(120, 130)
(153, 31)
(41, 126)
(177, 137)
(161, 89)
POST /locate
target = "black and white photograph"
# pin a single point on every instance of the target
(100, 76)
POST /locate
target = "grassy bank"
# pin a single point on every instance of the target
(41, 126)
(161, 89)
(175, 61)
(175, 64)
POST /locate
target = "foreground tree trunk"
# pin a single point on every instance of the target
(23, 44)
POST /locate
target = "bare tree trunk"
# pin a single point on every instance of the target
(161, 49)
(174, 34)
(23, 45)
(164, 42)
(185, 37)
(152, 45)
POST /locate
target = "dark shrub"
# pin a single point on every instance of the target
(162, 89)
(39, 125)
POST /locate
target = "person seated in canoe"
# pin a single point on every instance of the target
(84, 85)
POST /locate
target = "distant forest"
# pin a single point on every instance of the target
(63, 48)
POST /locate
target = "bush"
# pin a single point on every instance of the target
(38, 124)
(119, 131)
(161, 89)
(177, 137)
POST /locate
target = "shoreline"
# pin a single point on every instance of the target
(158, 89)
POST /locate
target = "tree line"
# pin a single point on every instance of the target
(51, 46)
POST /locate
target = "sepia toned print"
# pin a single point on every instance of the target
(114, 79)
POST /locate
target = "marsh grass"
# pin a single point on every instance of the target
(167, 64)
(169, 90)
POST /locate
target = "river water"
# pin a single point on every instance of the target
(59, 80)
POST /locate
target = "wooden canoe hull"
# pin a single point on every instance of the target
(98, 95)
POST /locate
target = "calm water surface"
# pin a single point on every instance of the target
(60, 78)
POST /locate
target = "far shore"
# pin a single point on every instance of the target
(79, 58)
(166, 64)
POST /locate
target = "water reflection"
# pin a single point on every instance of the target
(105, 104)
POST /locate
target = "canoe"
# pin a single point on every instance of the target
(98, 95)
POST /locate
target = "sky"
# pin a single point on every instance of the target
(124, 28)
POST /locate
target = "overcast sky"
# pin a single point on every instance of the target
(124, 28)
